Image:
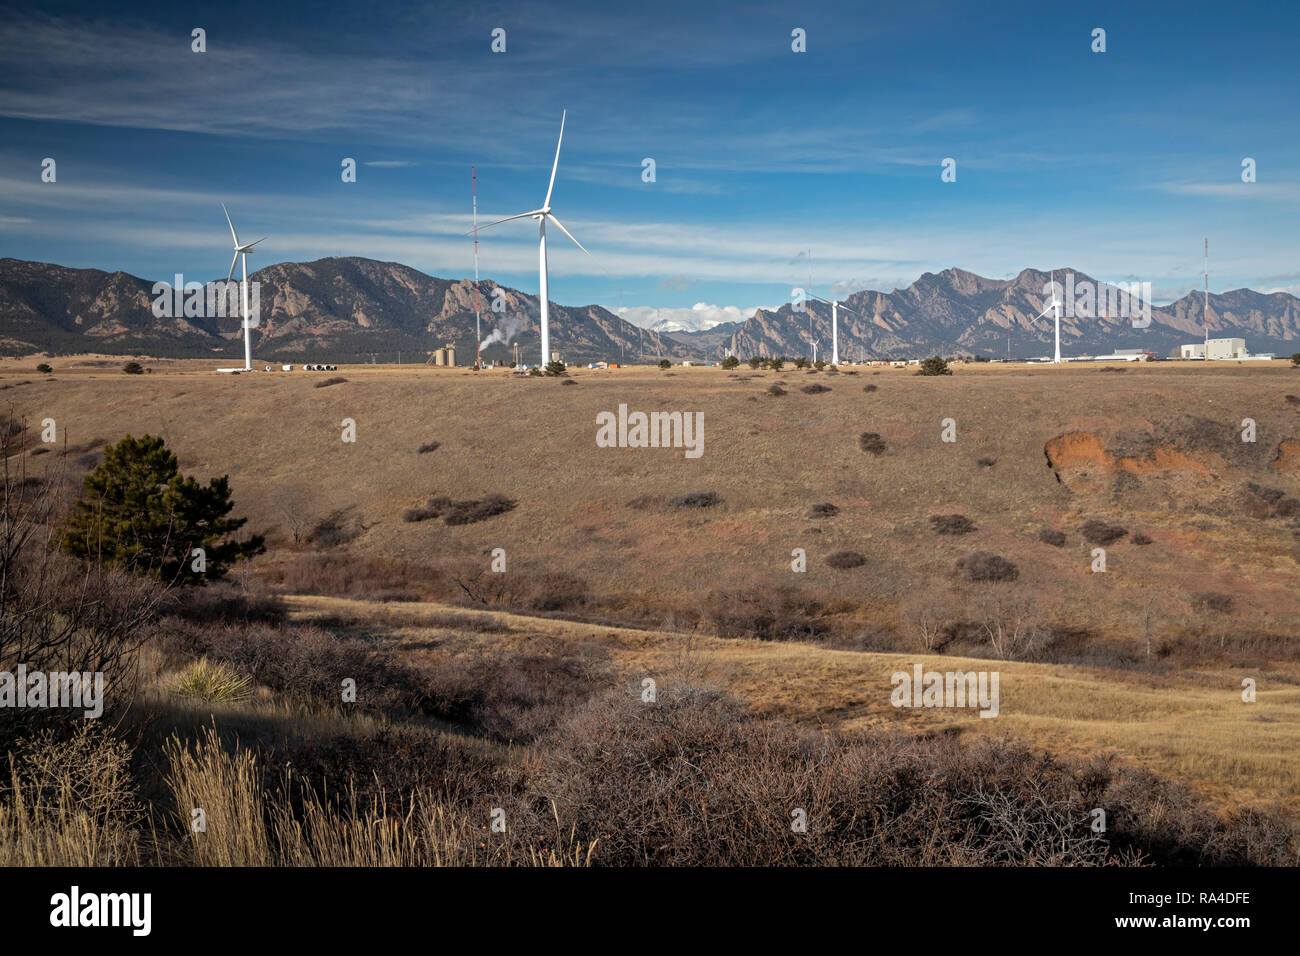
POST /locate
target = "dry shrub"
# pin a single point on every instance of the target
(776, 391)
(475, 510)
(695, 780)
(815, 389)
(776, 614)
(826, 510)
(869, 388)
(987, 566)
(69, 801)
(335, 380)
(1098, 532)
(1213, 601)
(336, 529)
(1053, 537)
(360, 576)
(428, 447)
(951, 524)
(696, 499)
(843, 560)
(871, 443)
(986, 462)
(1140, 539)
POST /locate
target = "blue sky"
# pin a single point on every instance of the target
(1114, 163)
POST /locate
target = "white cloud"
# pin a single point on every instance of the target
(700, 316)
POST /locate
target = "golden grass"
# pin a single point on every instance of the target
(295, 825)
(1195, 728)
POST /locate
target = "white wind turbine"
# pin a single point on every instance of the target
(241, 251)
(1055, 308)
(835, 326)
(541, 215)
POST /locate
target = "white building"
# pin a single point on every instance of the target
(1221, 350)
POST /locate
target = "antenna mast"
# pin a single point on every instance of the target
(478, 331)
(1206, 318)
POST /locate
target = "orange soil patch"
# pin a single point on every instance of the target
(1087, 449)
(1288, 457)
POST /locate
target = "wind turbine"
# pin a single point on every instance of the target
(242, 251)
(542, 215)
(835, 326)
(1055, 308)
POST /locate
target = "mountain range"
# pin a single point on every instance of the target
(346, 309)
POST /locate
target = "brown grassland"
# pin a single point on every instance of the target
(521, 690)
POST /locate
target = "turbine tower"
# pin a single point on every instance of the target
(1055, 309)
(242, 251)
(542, 215)
(835, 326)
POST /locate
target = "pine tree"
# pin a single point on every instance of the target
(140, 513)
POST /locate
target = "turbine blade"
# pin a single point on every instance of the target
(570, 235)
(522, 215)
(251, 244)
(556, 165)
(232, 266)
(230, 224)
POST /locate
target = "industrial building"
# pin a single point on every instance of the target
(445, 355)
(1221, 350)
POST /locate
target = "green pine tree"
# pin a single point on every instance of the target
(140, 513)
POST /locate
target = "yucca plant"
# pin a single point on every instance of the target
(212, 682)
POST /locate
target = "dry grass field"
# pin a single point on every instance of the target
(1201, 533)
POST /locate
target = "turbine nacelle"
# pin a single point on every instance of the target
(541, 214)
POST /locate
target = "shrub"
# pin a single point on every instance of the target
(755, 362)
(696, 499)
(987, 566)
(801, 362)
(333, 380)
(568, 381)
(133, 368)
(1096, 531)
(819, 364)
(823, 511)
(212, 682)
(1295, 360)
(1214, 601)
(44, 368)
(776, 364)
(140, 513)
(951, 524)
(730, 362)
(934, 366)
(1140, 539)
(775, 614)
(815, 389)
(469, 512)
(870, 388)
(335, 529)
(1053, 537)
(986, 462)
(843, 560)
(665, 364)
(871, 443)
(557, 368)
(776, 391)
(1293, 399)
(429, 446)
